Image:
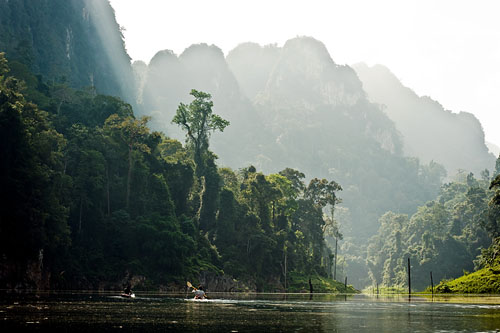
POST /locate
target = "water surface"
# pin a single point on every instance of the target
(79, 311)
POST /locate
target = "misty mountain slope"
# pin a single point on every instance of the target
(168, 82)
(308, 93)
(430, 132)
(309, 113)
(252, 64)
(318, 120)
(74, 40)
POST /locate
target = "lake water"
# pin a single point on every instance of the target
(79, 311)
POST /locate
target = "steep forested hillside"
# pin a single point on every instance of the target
(431, 133)
(91, 198)
(73, 41)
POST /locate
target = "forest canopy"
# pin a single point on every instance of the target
(96, 196)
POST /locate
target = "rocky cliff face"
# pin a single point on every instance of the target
(311, 105)
(77, 41)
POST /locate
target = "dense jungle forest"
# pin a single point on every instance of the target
(270, 169)
(91, 193)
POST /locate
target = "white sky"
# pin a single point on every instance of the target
(446, 49)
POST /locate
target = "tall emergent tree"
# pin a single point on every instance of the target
(199, 122)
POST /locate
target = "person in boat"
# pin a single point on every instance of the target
(128, 290)
(199, 293)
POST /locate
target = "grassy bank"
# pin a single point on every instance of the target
(483, 281)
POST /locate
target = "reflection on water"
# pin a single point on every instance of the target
(243, 313)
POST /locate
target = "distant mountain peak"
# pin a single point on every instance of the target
(306, 76)
(163, 57)
(308, 49)
(210, 52)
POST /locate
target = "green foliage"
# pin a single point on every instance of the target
(497, 167)
(66, 41)
(199, 122)
(487, 278)
(103, 198)
(33, 218)
(490, 256)
(483, 281)
(492, 222)
(439, 235)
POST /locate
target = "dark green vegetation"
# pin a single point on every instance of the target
(92, 197)
(483, 281)
(444, 237)
(76, 41)
(487, 278)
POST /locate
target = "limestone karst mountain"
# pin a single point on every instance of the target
(309, 113)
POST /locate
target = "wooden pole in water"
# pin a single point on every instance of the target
(345, 283)
(409, 277)
(432, 286)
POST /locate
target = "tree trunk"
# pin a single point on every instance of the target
(199, 213)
